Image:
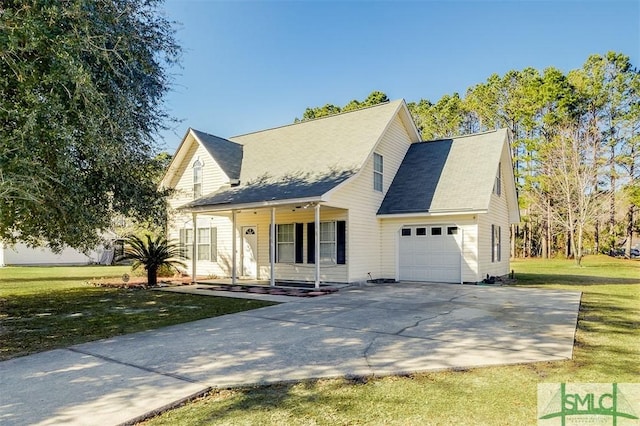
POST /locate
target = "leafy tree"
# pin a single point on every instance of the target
(374, 98)
(152, 254)
(446, 118)
(318, 112)
(81, 90)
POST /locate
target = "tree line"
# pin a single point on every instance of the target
(575, 146)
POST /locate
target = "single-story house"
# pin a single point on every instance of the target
(21, 254)
(344, 199)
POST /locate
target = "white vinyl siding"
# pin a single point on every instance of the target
(494, 259)
(363, 241)
(212, 178)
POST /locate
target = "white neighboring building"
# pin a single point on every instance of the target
(21, 254)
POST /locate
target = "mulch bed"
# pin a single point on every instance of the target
(138, 282)
(280, 291)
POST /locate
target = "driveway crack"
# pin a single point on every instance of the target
(139, 367)
(417, 323)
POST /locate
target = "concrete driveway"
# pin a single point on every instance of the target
(370, 331)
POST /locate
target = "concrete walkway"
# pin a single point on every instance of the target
(369, 331)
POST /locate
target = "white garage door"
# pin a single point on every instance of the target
(430, 253)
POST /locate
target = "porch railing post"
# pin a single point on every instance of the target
(317, 242)
(272, 251)
(194, 246)
(233, 247)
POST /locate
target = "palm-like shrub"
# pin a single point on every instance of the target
(152, 254)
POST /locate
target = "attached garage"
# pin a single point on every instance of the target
(430, 253)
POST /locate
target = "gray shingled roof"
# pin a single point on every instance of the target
(295, 187)
(227, 154)
(303, 160)
(451, 175)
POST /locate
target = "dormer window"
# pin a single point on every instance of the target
(378, 169)
(197, 179)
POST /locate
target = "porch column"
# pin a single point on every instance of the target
(233, 247)
(317, 241)
(194, 246)
(461, 253)
(272, 247)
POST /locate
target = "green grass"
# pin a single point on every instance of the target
(44, 308)
(606, 351)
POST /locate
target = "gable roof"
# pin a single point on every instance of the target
(306, 160)
(227, 154)
(449, 175)
(340, 142)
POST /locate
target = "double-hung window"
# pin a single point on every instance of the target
(378, 170)
(204, 243)
(285, 238)
(206, 240)
(327, 242)
(333, 242)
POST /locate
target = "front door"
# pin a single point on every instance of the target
(249, 252)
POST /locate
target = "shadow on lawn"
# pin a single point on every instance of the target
(607, 333)
(298, 397)
(542, 280)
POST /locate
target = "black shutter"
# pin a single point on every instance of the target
(183, 248)
(299, 242)
(311, 242)
(341, 239)
(274, 243)
(214, 244)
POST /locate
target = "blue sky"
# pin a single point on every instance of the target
(248, 66)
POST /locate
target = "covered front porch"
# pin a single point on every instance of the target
(297, 242)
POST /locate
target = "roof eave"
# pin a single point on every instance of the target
(456, 212)
(255, 205)
(172, 168)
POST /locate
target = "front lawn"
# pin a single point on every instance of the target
(606, 351)
(44, 308)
